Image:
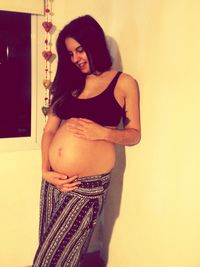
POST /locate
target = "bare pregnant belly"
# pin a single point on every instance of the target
(75, 156)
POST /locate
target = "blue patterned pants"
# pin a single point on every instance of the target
(67, 221)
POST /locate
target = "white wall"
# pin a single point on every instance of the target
(159, 219)
(19, 201)
(153, 211)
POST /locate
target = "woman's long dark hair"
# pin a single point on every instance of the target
(69, 79)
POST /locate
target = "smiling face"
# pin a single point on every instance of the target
(77, 55)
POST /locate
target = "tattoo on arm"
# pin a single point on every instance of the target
(126, 121)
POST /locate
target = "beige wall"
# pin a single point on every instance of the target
(159, 217)
(154, 211)
(19, 202)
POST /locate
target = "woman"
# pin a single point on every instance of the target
(78, 153)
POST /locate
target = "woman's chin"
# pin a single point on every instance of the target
(85, 71)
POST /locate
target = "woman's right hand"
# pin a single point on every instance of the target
(61, 181)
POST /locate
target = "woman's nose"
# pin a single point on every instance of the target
(75, 58)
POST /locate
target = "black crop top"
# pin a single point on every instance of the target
(102, 109)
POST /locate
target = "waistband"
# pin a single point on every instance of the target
(93, 185)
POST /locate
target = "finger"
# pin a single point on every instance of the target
(84, 137)
(68, 189)
(72, 178)
(81, 135)
(66, 181)
(81, 125)
(73, 125)
(64, 178)
(86, 120)
(60, 176)
(76, 130)
(71, 185)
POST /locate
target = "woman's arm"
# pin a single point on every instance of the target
(123, 136)
(131, 134)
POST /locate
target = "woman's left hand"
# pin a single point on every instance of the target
(87, 129)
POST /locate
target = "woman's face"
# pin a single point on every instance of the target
(78, 55)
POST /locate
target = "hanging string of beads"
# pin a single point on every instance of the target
(47, 54)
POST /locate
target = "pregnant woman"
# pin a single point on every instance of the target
(78, 143)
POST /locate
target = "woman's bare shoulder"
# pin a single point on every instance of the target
(128, 83)
(125, 77)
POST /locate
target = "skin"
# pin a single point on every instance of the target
(78, 55)
(126, 93)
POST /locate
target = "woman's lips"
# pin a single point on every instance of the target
(82, 65)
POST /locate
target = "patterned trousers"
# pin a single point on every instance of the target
(67, 221)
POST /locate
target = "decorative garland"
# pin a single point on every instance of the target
(47, 54)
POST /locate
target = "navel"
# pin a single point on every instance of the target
(60, 152)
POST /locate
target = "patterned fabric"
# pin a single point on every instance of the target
(67, 221)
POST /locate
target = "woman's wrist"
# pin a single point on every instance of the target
(46, 175)
(106, 133)
(45, 171)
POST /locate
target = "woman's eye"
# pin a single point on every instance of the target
(80, 49)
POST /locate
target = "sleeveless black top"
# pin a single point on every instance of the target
(102, 109)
